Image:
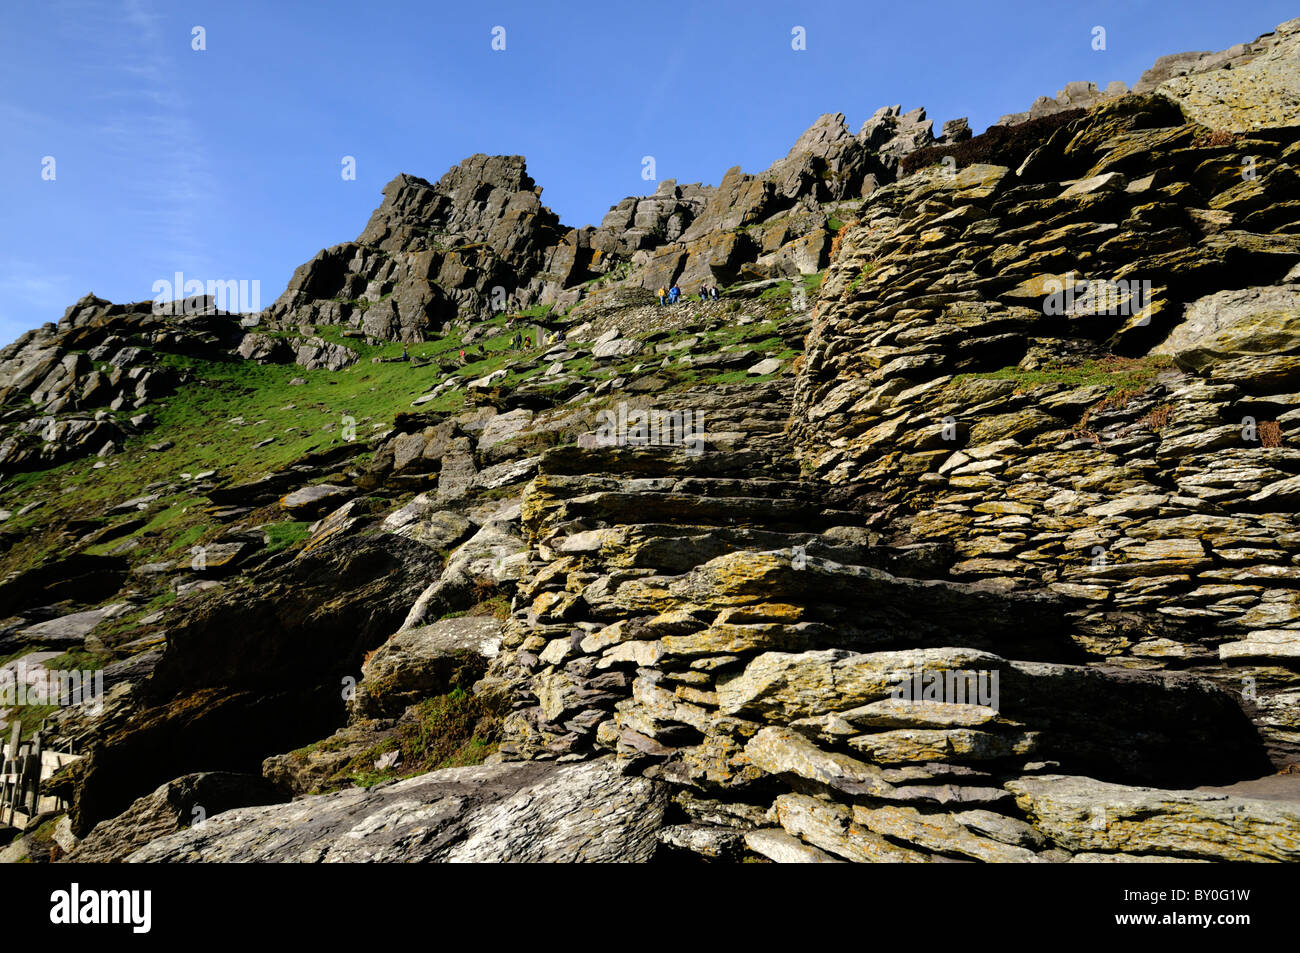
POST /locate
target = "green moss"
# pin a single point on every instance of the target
(183, 541)
(1116, 374)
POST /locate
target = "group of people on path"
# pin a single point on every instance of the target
(674, 294)
(523, 338)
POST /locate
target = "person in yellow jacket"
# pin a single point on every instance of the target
(662, 294)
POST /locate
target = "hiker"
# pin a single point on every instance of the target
(674, 294)
(662, 295)
(462, 355)
(704, 294)
(713, 293)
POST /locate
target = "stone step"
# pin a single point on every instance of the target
(568, 487)
(760, 512)
(662, 461)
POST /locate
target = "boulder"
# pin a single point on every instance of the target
(1232, 324)
(313, 501)
(421, 662)
(422, 521)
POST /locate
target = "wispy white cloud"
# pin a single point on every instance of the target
(139, 118)
(145, 120)
(147, 142)
(30, 295)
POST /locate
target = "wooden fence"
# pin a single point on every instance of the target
(25, 765)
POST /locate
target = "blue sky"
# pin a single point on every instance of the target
(225, 163)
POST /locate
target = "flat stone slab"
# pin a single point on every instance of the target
(314, 499)
(1085, 815)
(69, 629)
(528, 812)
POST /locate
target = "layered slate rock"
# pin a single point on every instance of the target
(180, 803)
(1093, 817)
(1083, 419)
(265, 666)
(533, 813)
(738, 633)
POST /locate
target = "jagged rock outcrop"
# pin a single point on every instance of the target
(429, 252)
(479, 241)
(70, 390)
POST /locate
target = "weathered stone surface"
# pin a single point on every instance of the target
(69, 630)
(907, 745)
(423, 522)
(186, 802)
(783, 751)
(417, 663)
(535, 813)
(1084, 815)
(1247, 91)
(776, 845)
(314, 500)
(831, 827)
(788, 686)
(938, 832)
(1231, 324)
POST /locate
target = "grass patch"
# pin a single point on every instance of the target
(449, 731)
(281, 536)
(496, 606)
(866, 271)
(75, 660)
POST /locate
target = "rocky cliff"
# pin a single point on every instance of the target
(961, 528)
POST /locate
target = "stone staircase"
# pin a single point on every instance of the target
(722, 624)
